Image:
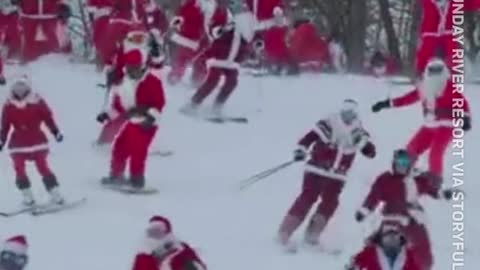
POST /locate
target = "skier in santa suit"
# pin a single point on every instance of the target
(308, 49)
(386, 250)
(140, 99)
(229, 49)
(164, 251)
(333, 144)
(439, 99)
(99, 14)
(219, 18)
(23, 115)
(14, 253)
(137, 38)
(435, 30)
(188, 31)
(382, 65)
(39, 22)
(3, 81)
(400, 189)
(272, 25)
(9, 28)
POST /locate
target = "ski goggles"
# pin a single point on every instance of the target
(402, 163)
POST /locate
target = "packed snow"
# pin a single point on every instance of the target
(199, 184)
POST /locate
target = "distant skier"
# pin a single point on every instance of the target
(140, 99)
(387, 249)
(400, 189)
(333, 144)
(439, 99)
(165, 251)
(227, 51)
(13, 253)
(24, 113)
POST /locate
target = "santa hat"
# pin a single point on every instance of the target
(135, 57)
(17, 244)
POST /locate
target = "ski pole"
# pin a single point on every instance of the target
(264, 174)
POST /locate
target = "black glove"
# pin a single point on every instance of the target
(102, 117)
(299, 155)
(112, 77)
(58, 136)
(384, 104)
(467, 123)
(149, 122)
(359, 216)
(64, 12)
(2, 80)
(154, 47)
(447, 194)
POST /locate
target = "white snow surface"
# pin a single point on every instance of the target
(199, 185)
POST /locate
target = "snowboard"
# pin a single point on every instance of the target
(43, 209)
(126, 189)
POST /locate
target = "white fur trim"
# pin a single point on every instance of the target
(184, 41)
(29, 149)
(118, 20)
(321, 134)
(277, 11)
(320, 171)
(156, 114)
(269, 23)
(15, 247)
(222, 64)
(402, 220)
(437, 34)
(29, 99)
(38, 16)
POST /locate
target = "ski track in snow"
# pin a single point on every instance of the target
(199, 184)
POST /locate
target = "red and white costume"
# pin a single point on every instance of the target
(189, 30)
(224, 58)
(165, 251)
(400, 195)
(438, 102)
(272, 25)
(39, 22)
(9, 29)
(99, 12)
(308, 49)
(134, 139)
(22, 121)
(333, 146)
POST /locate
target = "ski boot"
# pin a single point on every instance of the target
(28, 199)
(113, 181)
(137, 182)
(190, 109)
(56, 197)
(314, 229)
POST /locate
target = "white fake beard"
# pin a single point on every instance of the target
(433, 86)
(245, 24)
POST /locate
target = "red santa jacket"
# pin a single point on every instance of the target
(146, 94)
(128, 11)
(333, 147)
(373, 258)
(39, 9)
(25, 119)
(190, 25)
(179, 258)
(265, 11)
(228, 50)
(439, 112)
(437, 19)
(400, 195)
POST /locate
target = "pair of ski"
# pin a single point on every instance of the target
(44, 209)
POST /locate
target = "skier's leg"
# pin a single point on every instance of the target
(441, 139)
(142, 138)
(22, 181)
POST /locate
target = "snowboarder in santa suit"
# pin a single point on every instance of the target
(332, 144)
(386, 250)
(24, 114)
(13, 254)
(140, 99)
(399, 189)
(39, 22)
(231, 46)
(164, 251)
(444, 108)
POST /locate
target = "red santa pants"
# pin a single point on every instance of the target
(418, 237)
(427, 49)
(40, 37)
(182, 57)
(314, 187)
(110, 130)
(131, 144)
(437, 140)
(210, 83)
(10, 34)
(38, 157)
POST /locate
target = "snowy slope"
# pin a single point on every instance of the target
(232, 230)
